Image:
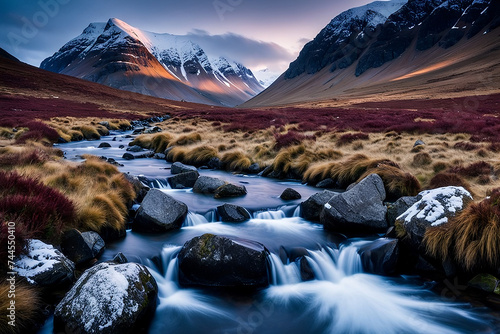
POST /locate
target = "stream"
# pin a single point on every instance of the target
(342, 298)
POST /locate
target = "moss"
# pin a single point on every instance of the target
(206, 246)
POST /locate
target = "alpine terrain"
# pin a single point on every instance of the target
(396, 49)
(162, 65)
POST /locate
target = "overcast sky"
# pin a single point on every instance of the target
(259, 33)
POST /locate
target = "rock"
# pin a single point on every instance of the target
(44, 265)
(214, 163)
(159, 156)
(360, 209)
(418, 143)
(121, 147)
(217, 261)
(140, 189)
(380, 256)
(434, 208)
(254, 168)
(326, 183)
(61, 140)
(207, 185)
(128, 156)
(396, 209)
(290, 194)
(109, 298)
(159, 212)
(179, 168)
(230, 190)
(485, 282)
(231, 213)
(120, 258)
(138, 131)
(81, 248)
(135, 149)
(105, 124)
(306, 272)
(183, 180)
(311, 208)
(104, 145)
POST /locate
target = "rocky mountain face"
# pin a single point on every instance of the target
(375, 35)
(162, 65)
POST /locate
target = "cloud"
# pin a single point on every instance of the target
(252, 53)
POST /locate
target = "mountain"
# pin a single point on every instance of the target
(162, 65)
(395, 50)
(266, 77)
(28, 92)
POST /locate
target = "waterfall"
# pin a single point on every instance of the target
(297, 212)
(155, 183)
(283, 273)
(193, 219)
(211, 216)
(277, 214)
(169, 261)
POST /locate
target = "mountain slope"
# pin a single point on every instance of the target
(163, 65)
(424, 48)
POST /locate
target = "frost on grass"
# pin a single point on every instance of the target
(40, 260)
(105, 298)
(436, 205)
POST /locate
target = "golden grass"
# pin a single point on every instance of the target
(27, 308)
(397, 183)
(236, 161)
(199, 155)
(89, 132)
(472, 238)
(187, 139)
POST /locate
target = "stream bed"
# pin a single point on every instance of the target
(341, 298)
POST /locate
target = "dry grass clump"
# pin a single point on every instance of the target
(28, 308)
(473, 170)
(196, 156)
(472, 238)
(88, 132)
(157, 142)
(447, 180)
(236, 161)
(119, 124)
(422, 159)
(348, 138)
(188, 139)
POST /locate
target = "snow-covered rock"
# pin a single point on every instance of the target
(433, 208)
(109, 298)
(44, 265)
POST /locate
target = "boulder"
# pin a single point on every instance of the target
(434, 208)
(380, 256)
(120, 258)
(104, 145)
(109, 298)
(207, 185)
(159, 212)
(230, 190)
(214, 163)
(216, 261)
(80, 247)
(183, 180)
(231, 213)
(135, 149)
(254, 168)
(360, 209)
(326, 183)
(128, 156)
(396, 209)
(485, 282)
(311, 208)
(179, 168)
(44, 265)
(290, 194)
(159, 156)
(140, 189)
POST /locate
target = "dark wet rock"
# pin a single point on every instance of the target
(360, 209)
(159, 156)
(61, 140)
(326, 183)
(159, 212)
(140, 189)
(109, 298)
(44, 265)
(80, 247)
(207, 185)
(178, 168)
(396, 209)
(254, 168)
(433, 208)
(135, 149)
(230, 190)
(138, 131)
(183, 180)
(121, 147)
(290, 194)
(128, 156)
(231, 213)
(104, 145)
(485, 282)
(105, 124)
(120, 258)
(418, 143)
(217, 261)
(306, 272)
(214, 163)
(380, 256)
(311, 208)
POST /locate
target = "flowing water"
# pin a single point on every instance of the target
(341, 298)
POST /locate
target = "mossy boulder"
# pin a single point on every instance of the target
(486, 282)
(109, 298)
(223, 262)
